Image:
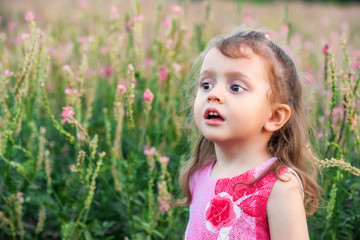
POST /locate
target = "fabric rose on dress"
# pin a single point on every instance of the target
(221, 212)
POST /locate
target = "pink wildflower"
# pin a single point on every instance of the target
(114, 11)
(29, 16)
(149, 62)
(356, 53)
(319, 134)
(120, 37)
(169, 43)
(25, 36)
(247, 18)
(284, 30)
(164, 206)
(128, 26)
(325, 49)
(356, 65)
(80, 136)
(73, 168)
(164, 159)
(139, 18)
(163, 75)
(148, 95)
(176, 66)
(84, 4)
(8, 73)
(177, 9)
(106, 71)
(121, 88)
(166, 22)
(20, 197)
(75, 91)
(205, 4)
(68, 91)
(149, 152)
(66, 68)
(104, 49)
(67, 113)
(11, 25)
(309, 78)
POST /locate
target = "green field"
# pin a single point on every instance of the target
(87, 153)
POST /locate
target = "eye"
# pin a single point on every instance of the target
(206, 86)
(236, 88)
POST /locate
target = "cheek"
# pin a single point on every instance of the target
(197, 110)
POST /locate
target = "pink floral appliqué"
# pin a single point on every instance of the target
(221, 213)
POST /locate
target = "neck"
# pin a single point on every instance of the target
(239, 154)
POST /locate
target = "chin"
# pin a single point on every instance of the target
(215, 139)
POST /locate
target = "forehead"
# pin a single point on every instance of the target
(249, 63)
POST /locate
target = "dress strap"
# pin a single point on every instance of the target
(297, 176)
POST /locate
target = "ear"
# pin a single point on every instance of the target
(279, 116)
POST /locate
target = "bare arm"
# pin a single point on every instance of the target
(285, 210)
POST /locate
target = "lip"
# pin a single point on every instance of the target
(213, 121)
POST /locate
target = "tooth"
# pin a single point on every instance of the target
(215, 114)
(211, 113)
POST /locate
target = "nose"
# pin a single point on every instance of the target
(215, 95)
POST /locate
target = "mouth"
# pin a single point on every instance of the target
(213, 117)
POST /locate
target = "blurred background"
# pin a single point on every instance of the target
(95, 104)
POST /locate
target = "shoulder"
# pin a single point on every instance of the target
(285, 209)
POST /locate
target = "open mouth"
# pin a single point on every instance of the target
(213, 117)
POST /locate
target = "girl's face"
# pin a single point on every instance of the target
(232, 101)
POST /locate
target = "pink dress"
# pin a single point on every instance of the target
(218, 212)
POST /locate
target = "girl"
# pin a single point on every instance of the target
(250, 177)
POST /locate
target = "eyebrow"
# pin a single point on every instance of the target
(237, 74)
(228, 74)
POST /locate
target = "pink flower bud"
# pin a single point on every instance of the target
(29, 16)
(325, 49)
(166, 22)
(25, 36)
(20, 197)
(139, 18)
(68, 91)
(67, 113)
(149, 152)
(108, 71)
(84, 4)
(11, 25)
(148, 62)
(114, 12)
(163, 75)
(164, 160)
(66, 68)
(176, 66)
(128, 26)
(8, 73)
(169, 43)
(177, 9)
(148, 95)
(356, 65)
(121, 88)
